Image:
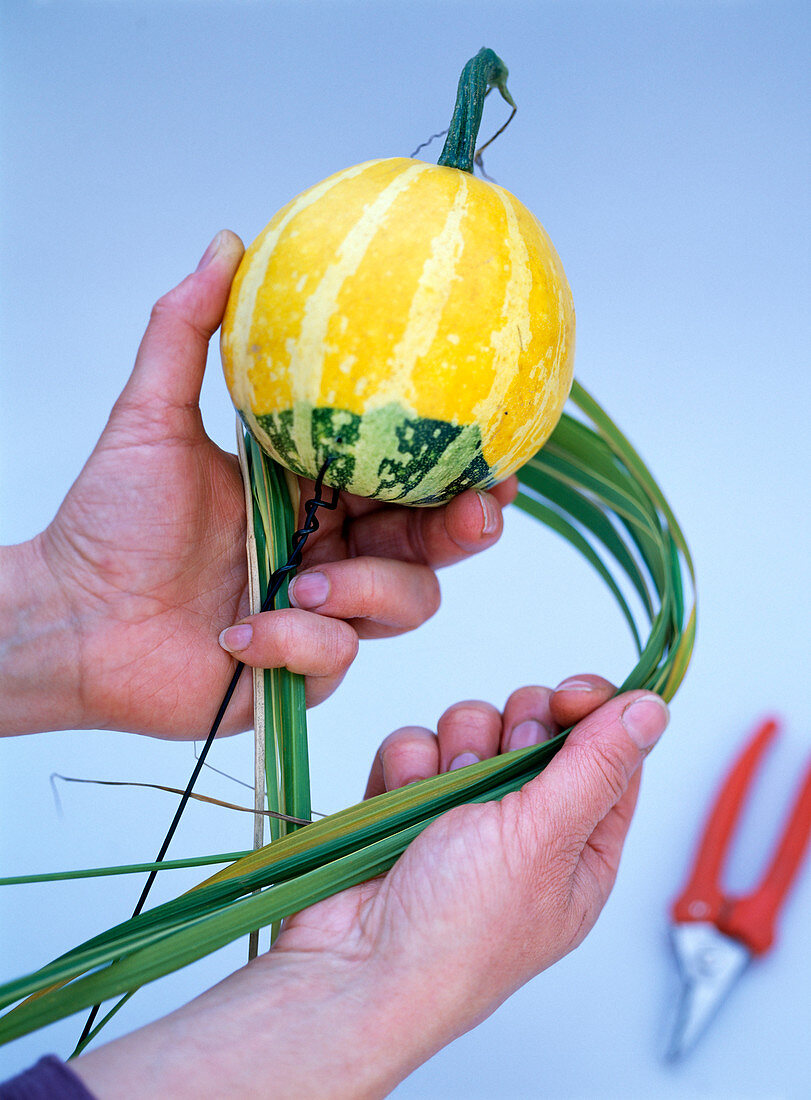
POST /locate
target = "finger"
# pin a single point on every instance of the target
(380, 597)
(430, 536)
(596, 869)
(171, 360)
(319, 648)
(527, 719)
(578, 696)
(405, 756)
(506, 491)
(601, 855)
(468, 732)
(596, 764)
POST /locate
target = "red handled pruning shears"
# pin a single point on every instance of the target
(715, 935)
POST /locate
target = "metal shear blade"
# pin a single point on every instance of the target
(715, 934)
(710, 964)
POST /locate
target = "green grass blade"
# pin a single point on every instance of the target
(578, 457)
(634, 463)
(123, 869)
(572, 535)
(594, 520)
(285, 716)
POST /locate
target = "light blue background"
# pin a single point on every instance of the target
(665, 147)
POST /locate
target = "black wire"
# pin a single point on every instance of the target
(277, 579)
(423, 144)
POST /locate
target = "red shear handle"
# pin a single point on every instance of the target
(752, 919)
(702, 899)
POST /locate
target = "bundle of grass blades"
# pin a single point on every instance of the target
(587, 483)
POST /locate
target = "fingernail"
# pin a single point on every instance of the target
(490, 513)
(526, 733)
(210, 252)
(235, 638)
(308, 590)
(645, 720)
(462, 760)
(574, 684)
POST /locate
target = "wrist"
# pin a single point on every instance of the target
(311, 1025)
(39, 647)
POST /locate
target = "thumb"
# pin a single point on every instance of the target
(169, 367)
(598, 761)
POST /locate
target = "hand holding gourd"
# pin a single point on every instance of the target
(144, 565)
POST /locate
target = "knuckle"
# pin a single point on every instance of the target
(409, 733)
(433, 596)
(167, 311)
(416, 533)
(399, 751)
(163, 307)
(391, 739)
(599, 866)
(419, 598)
(340, 645)
(273, 636)
(280, 636)
(176, 310)
(606, 766)
(530, 697)
(474, 715)
(305, 642)
(397, 593)
(372, 591)
(409, 751)
(359, 589)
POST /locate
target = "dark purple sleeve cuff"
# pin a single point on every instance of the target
(49, 1079)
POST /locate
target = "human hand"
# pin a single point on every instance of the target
(491, 894)
(362, 988)
(144, 565)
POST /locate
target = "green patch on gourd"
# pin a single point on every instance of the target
(386, 454)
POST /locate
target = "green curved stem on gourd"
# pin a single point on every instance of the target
(484, 71)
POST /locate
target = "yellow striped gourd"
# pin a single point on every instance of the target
(408, 321)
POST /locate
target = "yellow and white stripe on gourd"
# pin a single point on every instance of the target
(410, 321)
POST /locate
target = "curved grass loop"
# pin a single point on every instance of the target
(590, 486)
